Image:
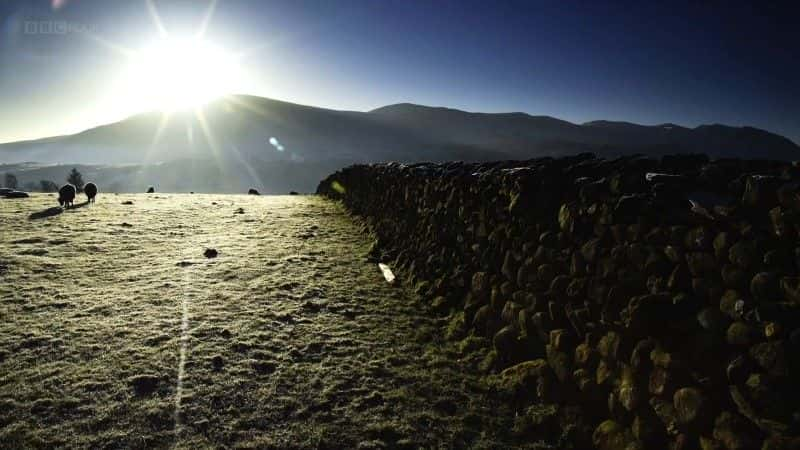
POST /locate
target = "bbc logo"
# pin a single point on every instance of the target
(54, 27)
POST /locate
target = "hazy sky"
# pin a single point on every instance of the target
(693, 63)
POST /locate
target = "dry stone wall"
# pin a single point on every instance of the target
(651, 303)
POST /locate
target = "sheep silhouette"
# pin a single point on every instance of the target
(90, 189)
(66, 195)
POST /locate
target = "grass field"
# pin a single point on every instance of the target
(117, 332)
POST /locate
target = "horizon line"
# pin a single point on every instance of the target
(220, 98)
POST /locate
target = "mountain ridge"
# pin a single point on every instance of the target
(400, 108)
(246, 135)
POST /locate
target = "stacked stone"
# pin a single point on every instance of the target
(660, 298)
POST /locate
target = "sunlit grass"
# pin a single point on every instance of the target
(291, 338)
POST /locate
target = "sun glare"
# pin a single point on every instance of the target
(173, 74)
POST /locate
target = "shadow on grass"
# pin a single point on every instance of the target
(49, 212)
(54, 211)
(78, 205)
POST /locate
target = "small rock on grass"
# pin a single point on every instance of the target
(144, 384)
(264, 367)
(314, 306)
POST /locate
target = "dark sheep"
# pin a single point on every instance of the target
(90, 189)
(253, 192)
(66, 195)
(151, 190)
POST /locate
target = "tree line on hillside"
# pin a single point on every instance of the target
(74, 177)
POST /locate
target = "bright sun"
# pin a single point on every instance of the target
(176, 73)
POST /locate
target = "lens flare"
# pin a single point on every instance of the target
(273, 141)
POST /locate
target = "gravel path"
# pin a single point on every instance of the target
(118, 332)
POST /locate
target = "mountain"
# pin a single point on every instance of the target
(525, 136)
(243, 138)
(239, 126)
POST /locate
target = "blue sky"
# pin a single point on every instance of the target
(687, 63)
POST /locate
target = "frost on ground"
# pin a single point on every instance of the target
(116, 331)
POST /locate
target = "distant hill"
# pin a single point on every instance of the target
(234, 134)
(525, 136)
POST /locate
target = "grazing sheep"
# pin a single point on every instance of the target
(90, 189)
(253, 192)
(151, 190)
(66, 195)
